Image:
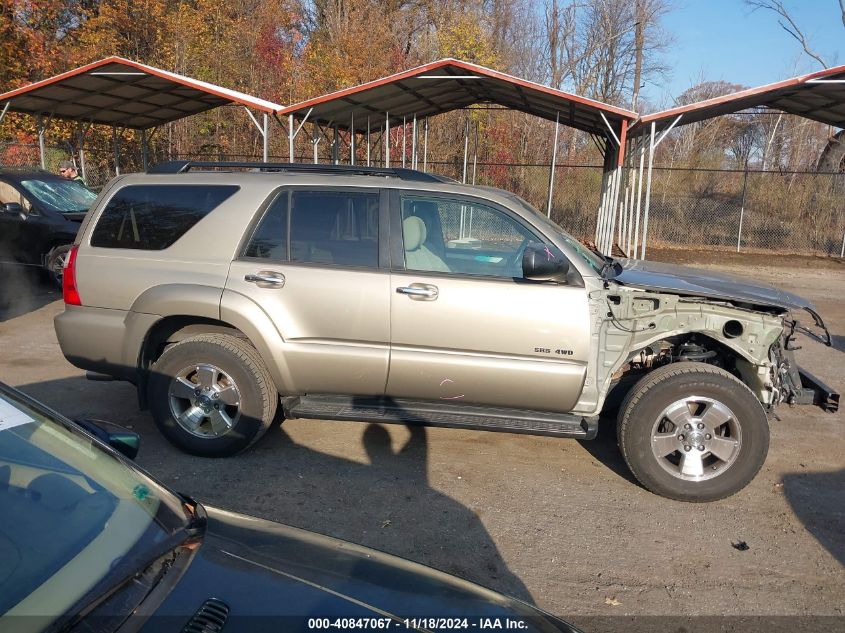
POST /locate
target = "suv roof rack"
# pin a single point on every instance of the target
(183, 166)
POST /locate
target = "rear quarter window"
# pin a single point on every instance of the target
(153, 217)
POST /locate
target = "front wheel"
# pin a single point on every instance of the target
(211, 395)
(693, 432)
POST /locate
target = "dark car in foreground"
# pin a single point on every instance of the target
(40, 214)
(90, 542)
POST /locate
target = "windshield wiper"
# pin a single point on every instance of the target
(131, 567)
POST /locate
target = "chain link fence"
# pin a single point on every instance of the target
(777, 212)
(692, 209)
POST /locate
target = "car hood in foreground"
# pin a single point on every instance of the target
(705, 283)
(281, 576)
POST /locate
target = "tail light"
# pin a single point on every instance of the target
(70, 293)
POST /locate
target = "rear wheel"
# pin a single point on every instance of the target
(211, 395)
(693, 432)
(54, 264)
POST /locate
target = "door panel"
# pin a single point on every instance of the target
(331, 305)
(479, 335)
(334, 323)
(489, 342)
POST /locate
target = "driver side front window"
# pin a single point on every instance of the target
(457, 236)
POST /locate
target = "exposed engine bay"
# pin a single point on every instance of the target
(755, 343)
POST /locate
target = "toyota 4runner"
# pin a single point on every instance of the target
(233, 297)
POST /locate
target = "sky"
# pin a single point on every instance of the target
(726, 40)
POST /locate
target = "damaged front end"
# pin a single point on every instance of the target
(639, 329)
(792, 383)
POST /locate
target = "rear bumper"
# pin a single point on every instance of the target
(103, 340)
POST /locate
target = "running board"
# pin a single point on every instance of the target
(427, 413)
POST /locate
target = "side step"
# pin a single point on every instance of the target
(427, 413)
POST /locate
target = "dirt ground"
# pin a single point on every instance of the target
(556, 522)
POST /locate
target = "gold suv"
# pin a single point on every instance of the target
(235, 294)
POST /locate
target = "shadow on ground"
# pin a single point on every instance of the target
(818, 500)
(23, 290)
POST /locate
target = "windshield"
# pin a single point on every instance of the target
(71, 511)
(595, 262)
(65, 196)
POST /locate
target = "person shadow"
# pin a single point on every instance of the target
(818, 500)
(389, 505)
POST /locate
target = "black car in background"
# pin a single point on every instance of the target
(90, 542)
(40, 214)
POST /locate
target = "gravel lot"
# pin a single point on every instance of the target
(556, 522)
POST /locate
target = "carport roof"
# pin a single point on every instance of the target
(819, 96)
(124, 93)
(450, 84)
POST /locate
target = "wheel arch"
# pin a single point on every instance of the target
(186, 310)
(744, 361)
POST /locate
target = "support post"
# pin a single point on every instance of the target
(335, 145)
(414, 143)
(386, 139)
(145, 159)
(41, 151)
(466, 148)
(742, 207)
(352, 139)
(639, 198)
(404, 136)
(315, 140)
(116, 145)
(648, 189)
(842, 250)
(368, 141)
(266, 134)
(425, 145)
(554, 163)
(82, 157)
(474, 163)
(5, 110)
(290, 140)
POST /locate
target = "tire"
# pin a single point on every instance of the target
(730, 448)
(211, 395)
(54, 264)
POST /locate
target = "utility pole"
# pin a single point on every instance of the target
(639, 42)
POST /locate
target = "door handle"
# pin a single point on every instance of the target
(419, 292)
(266, 279)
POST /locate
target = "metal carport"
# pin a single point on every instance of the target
(125, 94)
(819, 96)
(450, 84)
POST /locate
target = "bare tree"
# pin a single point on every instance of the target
(604, 48)
(833, 156)
(788, 23)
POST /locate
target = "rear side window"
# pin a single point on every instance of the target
(270, 240)
(153, 217)
(321, 227)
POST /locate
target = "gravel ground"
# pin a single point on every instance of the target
(556, 522)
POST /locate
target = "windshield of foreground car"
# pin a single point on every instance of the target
(65, 196)
(71, 513)
(595, 262)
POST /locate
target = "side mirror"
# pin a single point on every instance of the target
(122, 440)
(14, 208)
(543, 263)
